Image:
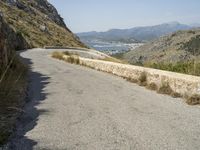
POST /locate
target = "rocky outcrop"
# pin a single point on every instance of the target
(38, 22)
(9, 42)
(41, 5)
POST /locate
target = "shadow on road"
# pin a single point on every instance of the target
(29, 119)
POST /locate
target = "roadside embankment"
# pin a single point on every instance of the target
(164, 82)
(13, 79)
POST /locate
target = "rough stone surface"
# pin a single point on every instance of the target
(9, 42)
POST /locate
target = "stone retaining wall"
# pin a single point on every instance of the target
(185, 85)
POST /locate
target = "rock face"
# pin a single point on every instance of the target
(40, 5)
(9, 41)
(38, 22)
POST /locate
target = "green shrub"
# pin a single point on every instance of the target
(190, 67)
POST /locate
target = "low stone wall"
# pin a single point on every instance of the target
(185, 85)
(66, 47)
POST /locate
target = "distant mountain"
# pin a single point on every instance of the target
(180, 46)
(137, 34)
(195, 25)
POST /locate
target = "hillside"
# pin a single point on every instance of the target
(38, 22)
(179, 46)
(177, 50)
(137, 34)
(12, 79)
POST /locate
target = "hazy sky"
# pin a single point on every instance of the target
(101, 15)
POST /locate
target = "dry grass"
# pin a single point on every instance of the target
(112, 59)
(176, 95)
(152, 86)
(165, 89)
(193, 100)
(73, 59)
(57, 55)
(27, 24)
(12, 94)
(143, 79)
(131, 80)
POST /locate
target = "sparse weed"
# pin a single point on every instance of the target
(131, 80)
(143, 79)
(152, 86)
(176, 95)
(73, 59)
(165, 89)
(193, 100)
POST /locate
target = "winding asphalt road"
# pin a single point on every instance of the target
(76, 108)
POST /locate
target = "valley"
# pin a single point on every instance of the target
(112, 48)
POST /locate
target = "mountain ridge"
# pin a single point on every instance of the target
(137, 34)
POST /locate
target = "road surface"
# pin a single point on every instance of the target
(76, 108)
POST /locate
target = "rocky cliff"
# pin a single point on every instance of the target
(38, 22)
(9, 41)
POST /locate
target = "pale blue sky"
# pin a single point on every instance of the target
(101, 15)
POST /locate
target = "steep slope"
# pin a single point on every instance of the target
(38, 22)
(9, 41)
(12, 79)
(181, 46)
(136, 34)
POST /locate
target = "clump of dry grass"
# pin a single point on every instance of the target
(152, 86)
(176, 95)
(193, 100)
(58, 55)
(143, 79)
(73, 59)
(131, 80)
(165, 89)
